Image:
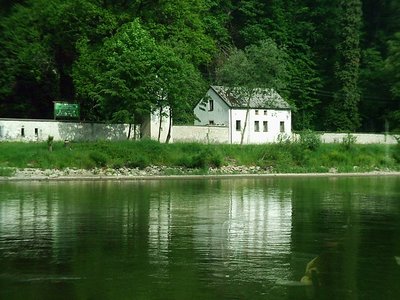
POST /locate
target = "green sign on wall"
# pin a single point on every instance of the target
(66, 110)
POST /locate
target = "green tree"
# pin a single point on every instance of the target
(290, 25)
(342, 114)
(38, 49)
(27, 68)
(177, 85)
(180, 24)
(255, 69)
(117, 76)
(392, 65)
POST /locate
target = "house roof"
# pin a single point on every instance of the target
(261, 98)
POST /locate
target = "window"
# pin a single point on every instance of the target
(282, 126)
(265, 112)
(265, 126)
(22, 131)
(256, 112)
(256, 126)
(211, 105)
(211, 122)
(238, 125)
(36, 132)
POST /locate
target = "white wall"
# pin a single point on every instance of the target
(361, 138)
(273, 117)
(39, 130)
(151, 127)
(201, 134)
(219, 114)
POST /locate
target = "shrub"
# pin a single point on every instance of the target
(337, 158)
(6, 172)
(310, 140)
(349, 141)
(137, 162)
(204, 159)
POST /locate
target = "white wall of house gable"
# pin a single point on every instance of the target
(251, 136)
(219, 114)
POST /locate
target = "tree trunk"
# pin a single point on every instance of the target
(245, 125)
(129, 131)
(159, 127)
(169, 127)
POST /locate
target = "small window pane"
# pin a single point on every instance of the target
(211, 105)
(256, 126)
(265, 126)
(282, 126)
(238, 126)
(256, 111)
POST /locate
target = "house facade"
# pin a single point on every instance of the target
(262, 117)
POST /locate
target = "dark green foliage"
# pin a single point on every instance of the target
(99, 158)
(342, 57)
(342, 113)
(137, 162)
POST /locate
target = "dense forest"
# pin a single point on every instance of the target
(337, 62)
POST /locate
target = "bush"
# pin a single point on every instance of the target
(137, 162)
(349, 141)
(206, 158)
(310, 140)
(6, 172)
(99, 158)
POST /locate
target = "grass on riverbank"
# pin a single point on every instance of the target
(279, 158)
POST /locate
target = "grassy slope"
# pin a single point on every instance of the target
(276, 157)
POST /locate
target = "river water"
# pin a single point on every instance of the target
(201, 239)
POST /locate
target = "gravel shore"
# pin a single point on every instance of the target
(160, 172)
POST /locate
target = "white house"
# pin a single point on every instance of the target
(262, 118)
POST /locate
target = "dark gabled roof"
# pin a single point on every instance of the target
(261, 98)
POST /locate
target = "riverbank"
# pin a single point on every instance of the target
(162, 173)
(128, 159)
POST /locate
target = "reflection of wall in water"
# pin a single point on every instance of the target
(160, 228)
(30, 224)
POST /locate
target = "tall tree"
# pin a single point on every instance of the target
(38, 49)
(28, 79)
(116, 77)
(290, 25)
(177, 85)
(342, 113)
(180, 24)
(255, 69)
(392, 68)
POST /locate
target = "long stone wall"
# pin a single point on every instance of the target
(40, 130)
(361, 138)
(201, 134)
